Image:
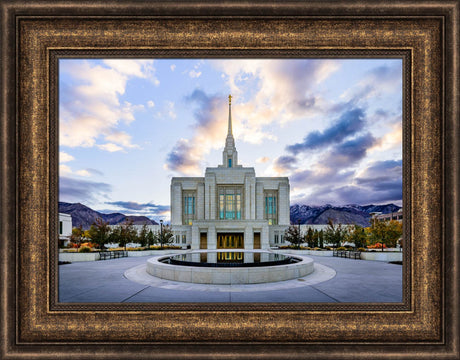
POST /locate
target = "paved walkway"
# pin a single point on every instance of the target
(334, 280)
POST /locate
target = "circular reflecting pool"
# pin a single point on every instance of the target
(230, 259)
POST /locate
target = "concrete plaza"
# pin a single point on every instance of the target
(334, 280)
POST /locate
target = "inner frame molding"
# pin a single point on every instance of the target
(34, 320)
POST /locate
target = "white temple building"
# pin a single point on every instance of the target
(230, 207)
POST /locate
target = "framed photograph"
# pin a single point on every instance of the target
(58, 62)
(137, 136)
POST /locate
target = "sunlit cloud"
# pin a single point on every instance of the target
(90, 109)
(64, 157)
(391, 140)
(64, 169)
(284, 164)
(110, 147)
(208, 132)
(280, 90)
(263, 160)
(121, 138)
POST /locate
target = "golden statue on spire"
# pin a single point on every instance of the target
(230, 99)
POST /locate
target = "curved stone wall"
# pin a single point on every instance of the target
(229, 276)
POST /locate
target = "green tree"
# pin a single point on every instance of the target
(115, 235)
(334, 234)
(128, 233)
(99, 232)
(315, 239)
(321, 239)
(309, 237)
(142, 237)
(292, 234)
(358, 236)
(150, 238)
(77, 235)
(164, 236)
(386, 232)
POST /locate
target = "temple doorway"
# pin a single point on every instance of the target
(230, 240)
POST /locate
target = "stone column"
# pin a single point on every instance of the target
(176, 204)
(259, 201)
(189, 236)
(210, 197)
(212, 237)
(248, 238)
(264, 240)
(283, 204)
(195, 237)
(200, 201)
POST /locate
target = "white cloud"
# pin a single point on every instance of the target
(64, 169)
(194, 74)
(150, 104)
(263, 160)
(130, 67)
(173, 67)
(121, 138)
(110, 147)
(281, 92)
(85, 173)
(391, 140)
(90, 109)
(64, 157)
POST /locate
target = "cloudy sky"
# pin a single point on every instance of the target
(127, 126)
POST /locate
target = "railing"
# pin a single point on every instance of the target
(104, 255)
(347, 254)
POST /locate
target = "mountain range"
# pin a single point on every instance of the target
(348, 214)
(85, 216)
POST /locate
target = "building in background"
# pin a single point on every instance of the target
(398, 216)
(230, 207)
(65, 229)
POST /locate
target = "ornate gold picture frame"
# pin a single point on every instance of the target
(36, 35)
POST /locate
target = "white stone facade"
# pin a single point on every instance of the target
(229, 207)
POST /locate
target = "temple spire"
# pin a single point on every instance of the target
(230, 155)
(230, 132)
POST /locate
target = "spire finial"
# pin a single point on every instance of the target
(229, 99)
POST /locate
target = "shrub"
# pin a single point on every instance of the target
(84, 249)
(165, 247)
(328, 248)
(377, 246)
(88, 244)
(341, 248)
(361, 249)
(135, 249)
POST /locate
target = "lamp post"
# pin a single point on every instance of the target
(161, 233)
